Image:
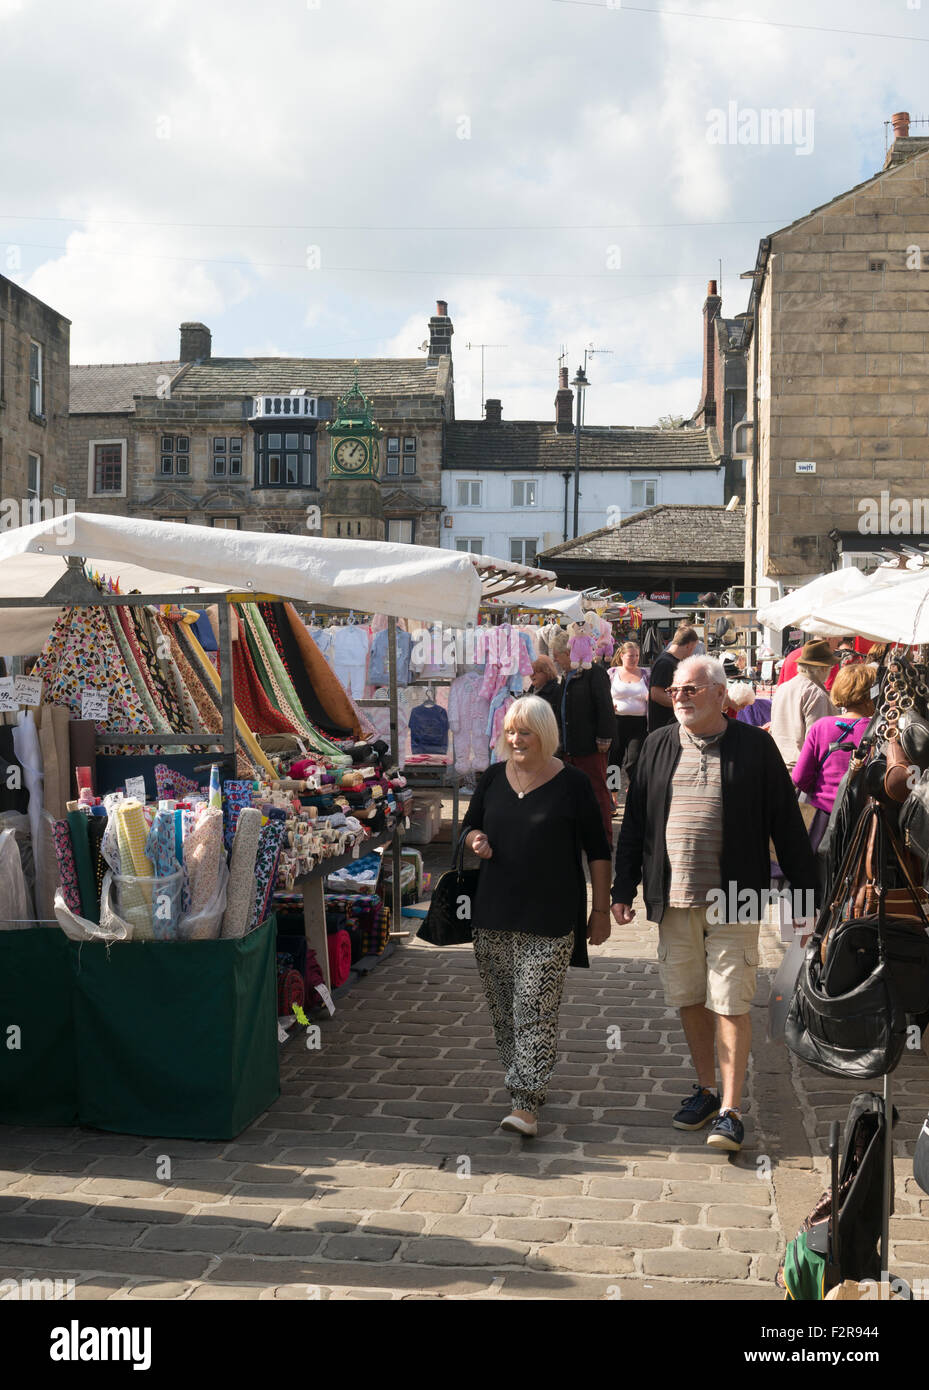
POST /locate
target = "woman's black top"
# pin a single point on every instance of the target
(535, 880)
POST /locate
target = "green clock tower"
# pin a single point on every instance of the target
(353, 505)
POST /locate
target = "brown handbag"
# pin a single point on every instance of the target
(897, 777)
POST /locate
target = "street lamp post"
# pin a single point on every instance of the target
(580, 384)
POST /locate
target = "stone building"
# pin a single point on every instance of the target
(34, 351)
(723, 389)
(242, 442)
(838, 374)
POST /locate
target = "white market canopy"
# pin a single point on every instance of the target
(797, 609)
(159, 557)
(893, 608)
(564, 601)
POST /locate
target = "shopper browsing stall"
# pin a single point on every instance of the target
(629, 688)
(529, 924)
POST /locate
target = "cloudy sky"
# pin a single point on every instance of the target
(307, 177)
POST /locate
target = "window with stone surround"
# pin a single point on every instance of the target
(34, 477)
(285, 458)
(226, 453)
(226, 523)
(401, 455)
(36, 382)
(401, 529)
(106, 468)
(175, 454)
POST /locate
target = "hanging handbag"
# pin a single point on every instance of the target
(849, 1010)
(449, 920)
(914, 822)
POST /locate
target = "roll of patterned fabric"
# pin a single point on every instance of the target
(269, 853)
(203, 849)
(240, 897)
(135, 901)
(67, 870)
(159, 847)
(339, 946)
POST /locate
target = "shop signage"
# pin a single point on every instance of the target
(805, 467)
(7, 699)
(660, 596)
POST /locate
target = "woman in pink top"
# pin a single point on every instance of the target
(822, 765)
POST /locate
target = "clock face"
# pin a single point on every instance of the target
(351, 455)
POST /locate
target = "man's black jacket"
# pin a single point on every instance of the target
(588, 711)
(759, 803)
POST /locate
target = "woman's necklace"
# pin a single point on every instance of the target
(521, 794)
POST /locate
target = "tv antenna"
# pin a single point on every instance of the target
(482, 347)
(591, 351)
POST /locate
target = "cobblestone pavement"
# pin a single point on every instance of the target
(380, 1173)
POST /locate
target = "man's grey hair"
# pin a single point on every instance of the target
(705, 667)
(559, 643)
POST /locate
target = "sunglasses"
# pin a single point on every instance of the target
(684, 692)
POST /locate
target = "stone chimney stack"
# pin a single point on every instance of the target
(196, 342)
(564, 404)
(493, 411)
(440, 331)
(706, 411)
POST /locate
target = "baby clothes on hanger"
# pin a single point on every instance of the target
(349, 655)
(377, 663)
(468, 713)
(428, 725)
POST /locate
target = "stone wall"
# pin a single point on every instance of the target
(849, 367)
(25, 319)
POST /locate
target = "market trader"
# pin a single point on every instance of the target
(708, 795)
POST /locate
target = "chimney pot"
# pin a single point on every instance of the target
(493, 411)
(711, 287)
(441, 308)
(901, 124)
(196, 342)
(563, 377)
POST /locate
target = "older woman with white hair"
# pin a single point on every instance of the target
(529, 820)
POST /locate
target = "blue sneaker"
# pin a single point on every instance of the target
(698, 1110)
(727, 1132)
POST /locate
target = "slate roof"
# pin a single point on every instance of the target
(327, 376)
(534, 444)
(674, 534)
(106, 388)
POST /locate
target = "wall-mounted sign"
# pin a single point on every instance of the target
(805, 467)
(661, 596)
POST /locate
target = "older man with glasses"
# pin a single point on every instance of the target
(709, 794)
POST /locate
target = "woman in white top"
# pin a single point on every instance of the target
(629, 686)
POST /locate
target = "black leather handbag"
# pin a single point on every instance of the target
(860, 976)
(449, 919)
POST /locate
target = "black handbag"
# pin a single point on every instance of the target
(448, 922)
(860, 977)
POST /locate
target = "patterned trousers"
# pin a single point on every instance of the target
(523, 978)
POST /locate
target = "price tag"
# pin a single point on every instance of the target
(326, 997)
(282, 1034)
(135, 787)
(7, 699)
(95, 704)
(355, 848)
(27, 690)
(875, 691)
(406, 822)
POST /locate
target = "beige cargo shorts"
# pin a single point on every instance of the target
(700, 962)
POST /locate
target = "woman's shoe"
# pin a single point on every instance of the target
(516, 1125)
